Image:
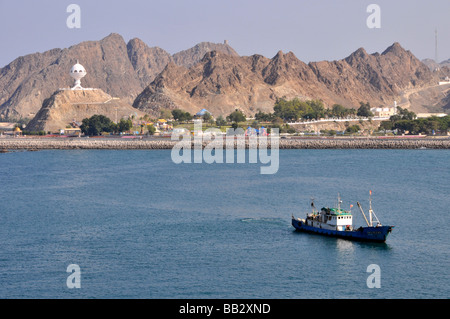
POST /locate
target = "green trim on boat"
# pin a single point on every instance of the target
(335, 211)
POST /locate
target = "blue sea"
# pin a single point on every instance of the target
(140, 226)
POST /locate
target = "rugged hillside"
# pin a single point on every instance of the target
(147, 62)
(189, 57)
(215, 77)
(67, 106)
(120, 69)
(28, 80)
(221, 82)
(378, 78)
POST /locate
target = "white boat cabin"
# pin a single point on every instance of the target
(331, 218)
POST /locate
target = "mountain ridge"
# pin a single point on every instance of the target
(118, 68)
(255, 83)
(210, 75)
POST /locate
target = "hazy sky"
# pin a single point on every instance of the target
(313, 30)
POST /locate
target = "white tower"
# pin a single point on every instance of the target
(77, 72)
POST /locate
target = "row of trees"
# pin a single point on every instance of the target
(293, 110)
(417, 126)
(285, 111)
(181, 116)
(234, 118)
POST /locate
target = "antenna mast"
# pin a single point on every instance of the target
(436, 46)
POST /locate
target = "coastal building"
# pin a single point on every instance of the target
(73, 131)
(445, 81)
(163, 125)
(17, 132)
(384, 111)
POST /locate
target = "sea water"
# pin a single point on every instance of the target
(140, 226)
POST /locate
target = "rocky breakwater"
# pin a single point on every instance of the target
(75, 143)
(155, 144)
(369, 143)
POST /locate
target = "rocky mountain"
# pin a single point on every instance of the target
(215, 77)
(118, 68)
(68, 106)
(189, 57)
(28, 80)
(147, 62)
(221, 82)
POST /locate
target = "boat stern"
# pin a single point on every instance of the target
(297, 222)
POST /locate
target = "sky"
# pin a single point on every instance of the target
(312, 30)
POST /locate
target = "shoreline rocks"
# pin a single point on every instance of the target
(34, 144)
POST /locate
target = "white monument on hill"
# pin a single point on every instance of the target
(77, 72)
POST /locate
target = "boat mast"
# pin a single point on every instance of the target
(339, 202)
(313, 207)
(371, 212)
(362, 212)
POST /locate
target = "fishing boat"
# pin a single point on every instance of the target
(337, 222)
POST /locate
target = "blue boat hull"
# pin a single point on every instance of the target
(372, 234)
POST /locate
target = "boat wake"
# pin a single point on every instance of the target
(264, 220)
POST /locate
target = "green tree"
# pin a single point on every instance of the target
(338, 111)
(151, 129)
(364, 110)
(206, 117)
(386, 125)
(294, 109)
(316, 110)
(124, 125)
(220, 121)
(96, 124)
(404, 114)
(187, 116)
(236, 117)
(264, 117)
(180, 115)
(288, 110)
(353, 129)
